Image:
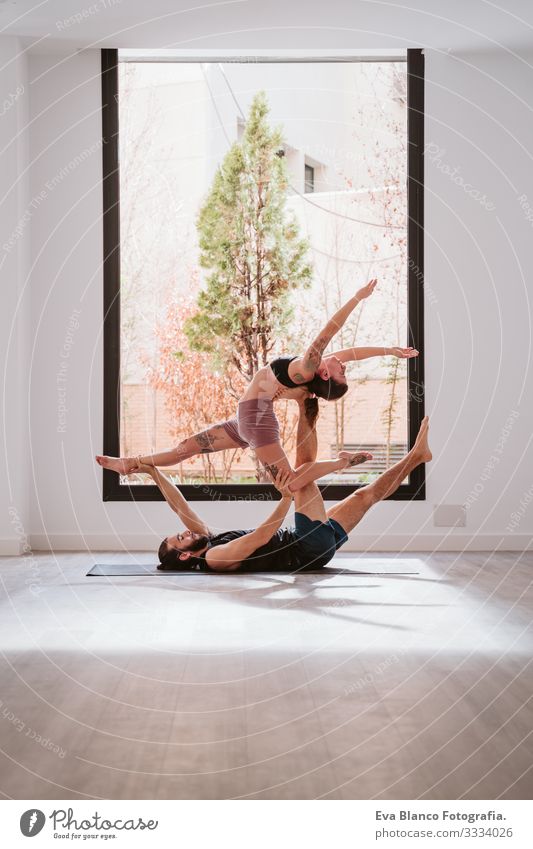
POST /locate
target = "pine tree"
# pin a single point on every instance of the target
(251, 247)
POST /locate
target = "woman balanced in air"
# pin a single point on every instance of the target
(256, 425)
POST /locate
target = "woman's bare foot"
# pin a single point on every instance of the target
(121, 465)
(354, 459)
(421, 444)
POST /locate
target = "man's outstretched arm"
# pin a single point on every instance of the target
(175, 500)
(225, 558)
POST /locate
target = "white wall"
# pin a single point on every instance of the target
(478, 331)
(14, 311)
(478, 334)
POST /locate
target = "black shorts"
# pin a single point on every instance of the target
(317, 541)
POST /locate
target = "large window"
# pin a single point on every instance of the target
(343, 203)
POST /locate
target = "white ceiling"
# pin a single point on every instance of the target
(192, 24)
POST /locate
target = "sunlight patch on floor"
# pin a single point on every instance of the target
(219, 614)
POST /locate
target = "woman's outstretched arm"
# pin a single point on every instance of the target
(304, 368)
(347, 355)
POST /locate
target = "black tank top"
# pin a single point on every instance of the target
(281, 552)
(280, 367)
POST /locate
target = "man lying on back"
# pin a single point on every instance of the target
(309, 543)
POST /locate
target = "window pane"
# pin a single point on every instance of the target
(343, 140)
(309, 179)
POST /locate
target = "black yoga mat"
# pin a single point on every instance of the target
(119, 569)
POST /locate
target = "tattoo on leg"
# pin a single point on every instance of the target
(181, 452)
(205, 442)
(356, 460)
(272, 469)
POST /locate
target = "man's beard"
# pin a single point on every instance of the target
(198, 544)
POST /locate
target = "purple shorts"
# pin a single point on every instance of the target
(232, 429)
(256, 424)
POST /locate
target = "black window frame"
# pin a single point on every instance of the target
(113, 490)
(309, 182)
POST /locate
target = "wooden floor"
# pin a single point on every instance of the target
(233, 686)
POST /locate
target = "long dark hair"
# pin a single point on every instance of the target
(311, 410)
(329, 389)
(169, 559)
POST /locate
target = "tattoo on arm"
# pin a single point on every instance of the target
(314, 353)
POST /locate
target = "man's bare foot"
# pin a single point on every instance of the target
(121, 465)
(354, 459)
(421, 444)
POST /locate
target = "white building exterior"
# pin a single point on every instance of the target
(342, 120)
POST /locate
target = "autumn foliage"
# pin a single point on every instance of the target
(196, 396)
